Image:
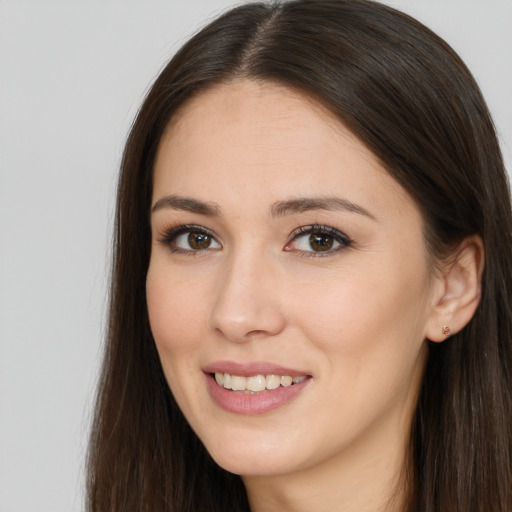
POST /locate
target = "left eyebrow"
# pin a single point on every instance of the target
(187, 204)
(282, 208)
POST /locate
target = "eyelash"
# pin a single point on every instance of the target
(170, 236)
(319, 229)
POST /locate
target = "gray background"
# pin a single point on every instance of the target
(72, 74)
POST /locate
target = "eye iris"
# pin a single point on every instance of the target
(321, 242)
(199, 240)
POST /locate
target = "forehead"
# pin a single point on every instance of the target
(275, 112)
(239, 96)
(266, 140)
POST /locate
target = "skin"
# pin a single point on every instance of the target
(354, 318)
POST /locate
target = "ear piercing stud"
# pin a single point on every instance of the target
(446, 330)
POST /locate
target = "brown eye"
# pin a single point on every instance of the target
(317, 240)
(321, 241)
(190, 239)
(198, 241)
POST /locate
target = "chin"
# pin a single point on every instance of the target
(252, 467)
(246, 457)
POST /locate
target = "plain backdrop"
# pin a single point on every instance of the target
(72, 74)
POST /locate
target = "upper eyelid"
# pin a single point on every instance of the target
(183, 228)
(171, 232)
(312, 228)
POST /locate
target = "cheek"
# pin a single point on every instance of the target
(367, 328)
(175, 312)
(378, 307)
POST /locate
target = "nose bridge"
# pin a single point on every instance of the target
(247, 302)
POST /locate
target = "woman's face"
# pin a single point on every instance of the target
(283, 251)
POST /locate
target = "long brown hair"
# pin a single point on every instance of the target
(405, 93)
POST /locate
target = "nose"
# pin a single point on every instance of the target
(247, 304)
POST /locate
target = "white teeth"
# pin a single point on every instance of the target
(286, 381)
(255, 383)
(227, 381)
(238, 383)
(273, 381)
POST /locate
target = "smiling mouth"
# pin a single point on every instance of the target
(256, 383)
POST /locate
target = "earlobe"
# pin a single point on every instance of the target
(461, 280)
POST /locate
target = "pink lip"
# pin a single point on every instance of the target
(249, 369)
(251, 404)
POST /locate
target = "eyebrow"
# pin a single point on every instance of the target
(330, 203)
(278, 209)
(187, 204)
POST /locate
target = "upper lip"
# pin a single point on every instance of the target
(253, 368)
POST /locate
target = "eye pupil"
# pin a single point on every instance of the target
(199, 240)
(321, 242)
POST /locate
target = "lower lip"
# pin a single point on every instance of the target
(257, 403)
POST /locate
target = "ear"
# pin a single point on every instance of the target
(458, 294)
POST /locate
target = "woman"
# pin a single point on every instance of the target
(310, 303)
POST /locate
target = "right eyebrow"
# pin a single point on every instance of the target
(187, 204)
(329, 203)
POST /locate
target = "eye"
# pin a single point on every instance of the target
(189, 239)
(317, 240)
